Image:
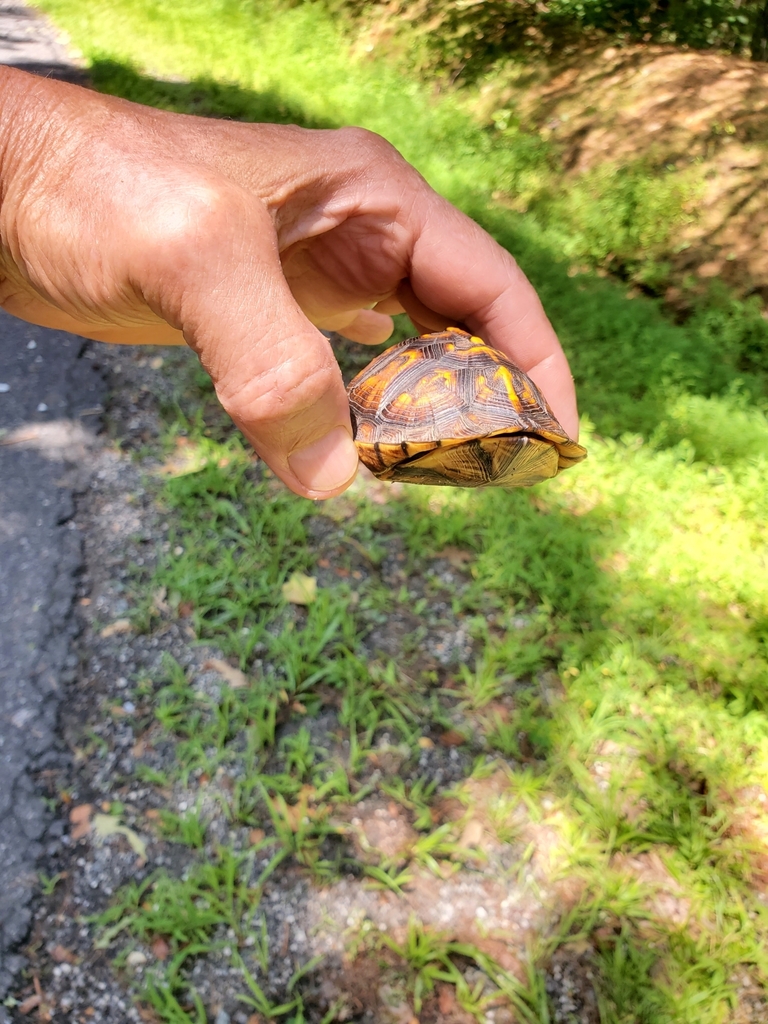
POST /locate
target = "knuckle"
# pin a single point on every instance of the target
(185, 213)
(370, 145)
(178, 217)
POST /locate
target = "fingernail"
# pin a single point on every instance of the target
(327, 464)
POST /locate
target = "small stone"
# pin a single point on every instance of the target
(136, 958)
(4, 388)
(42, 407)
(22, 717)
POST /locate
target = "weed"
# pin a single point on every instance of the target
(430, 958)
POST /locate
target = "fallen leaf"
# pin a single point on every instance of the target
(425, 743)
(472, 834)
(62, 955)
(300, 589)
(495, 711)
(148, 1015)
(185, 609)
(105, 825)
(255, 836)
(501, 953)
(160, 948)
(446, 999)
(119, 626)
(37, 1002)
(452, 738)
(233, 676)
(80, 819)
(30, 1004)
(455, 556)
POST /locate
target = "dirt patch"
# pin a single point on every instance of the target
(702, 115)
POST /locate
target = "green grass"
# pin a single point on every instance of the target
(619, 613)
(643, 582)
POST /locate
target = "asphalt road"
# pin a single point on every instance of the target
(29, 43)
(49, 412)
(49, 400)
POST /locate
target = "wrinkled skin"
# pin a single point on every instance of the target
(126, 224)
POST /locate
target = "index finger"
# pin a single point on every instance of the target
(460, 275)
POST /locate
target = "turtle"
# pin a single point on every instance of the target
(447, 409)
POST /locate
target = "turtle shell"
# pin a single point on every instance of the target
(448, 409)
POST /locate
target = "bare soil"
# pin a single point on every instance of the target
(675, 110)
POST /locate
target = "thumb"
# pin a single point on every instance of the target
(274, 372)
(283, 389)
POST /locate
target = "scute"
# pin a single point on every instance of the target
(448, 409)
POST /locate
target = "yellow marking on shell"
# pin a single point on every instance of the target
(484, 393)
(509, 386)
(407, 401)
(409, 357)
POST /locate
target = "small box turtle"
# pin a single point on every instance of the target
(448, 409)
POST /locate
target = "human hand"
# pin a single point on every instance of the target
(127, 224)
